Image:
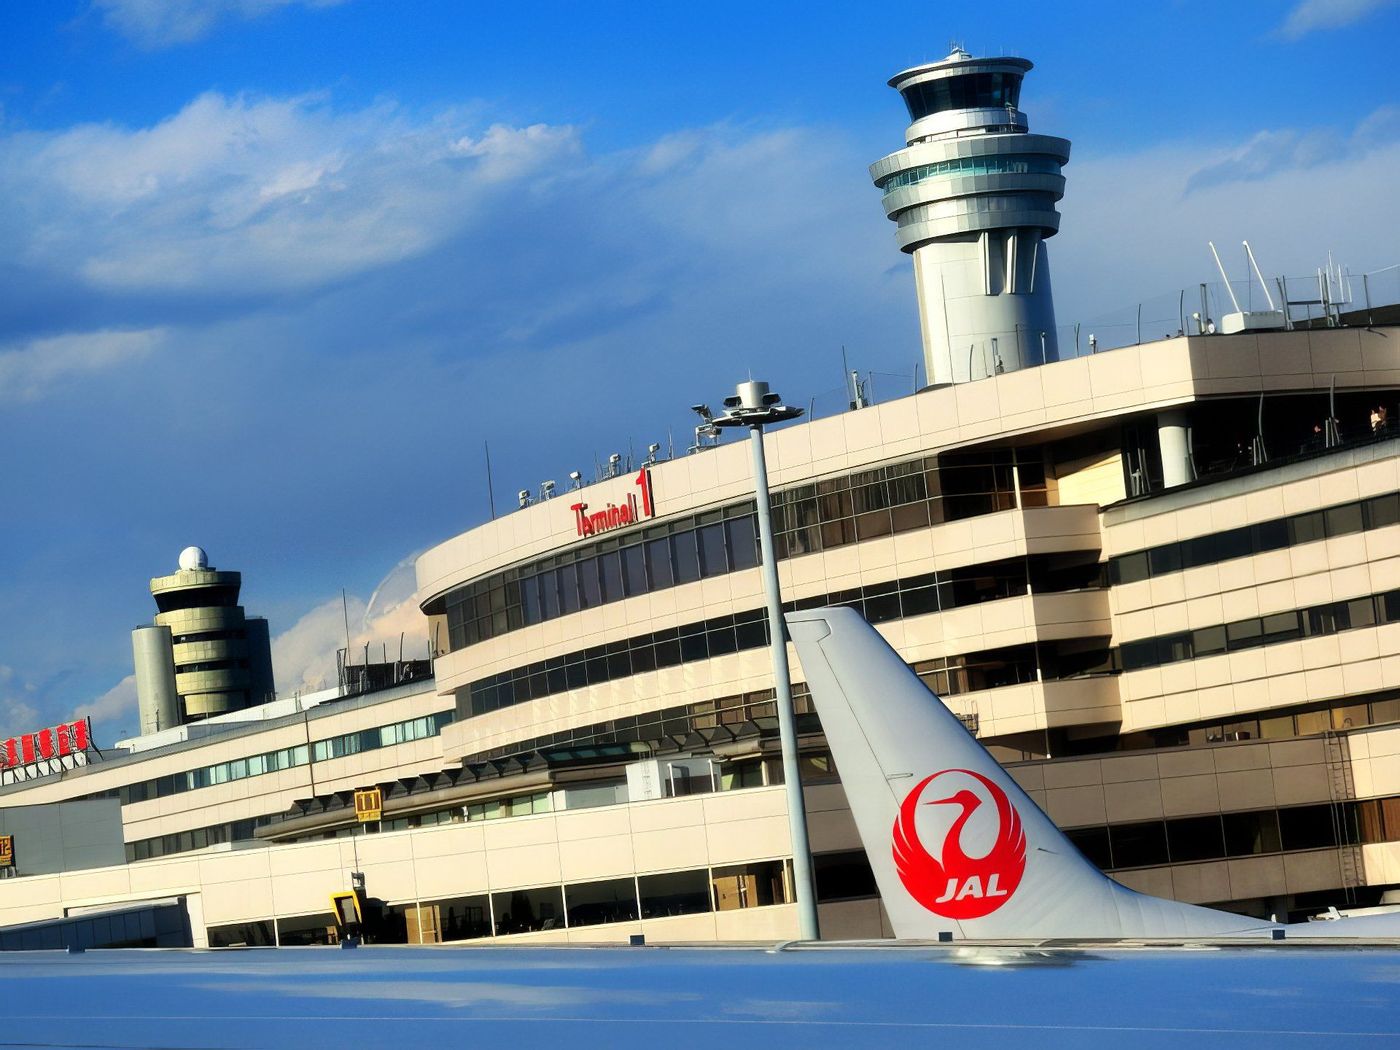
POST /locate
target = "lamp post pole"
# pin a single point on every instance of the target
(753, 406)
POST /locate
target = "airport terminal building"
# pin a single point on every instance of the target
(1161, 583)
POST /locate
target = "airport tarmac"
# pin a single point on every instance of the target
(573, 998)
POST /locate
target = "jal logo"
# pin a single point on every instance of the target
(949, 881)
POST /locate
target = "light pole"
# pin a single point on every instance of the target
(753, 407)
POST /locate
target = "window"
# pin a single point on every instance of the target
(306, 929)
(843, 876)
(750, 886)
(1307, 827)
(524, 911)
(1251, 833)
(1195, 838)
(713, 561)
(455, 919)
(1138, 845)
(1093, 843)
(242, 935)
(674, 893)
(596, 903)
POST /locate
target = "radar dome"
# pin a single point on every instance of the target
(194, 558)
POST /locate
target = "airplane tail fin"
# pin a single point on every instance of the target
(955, 843)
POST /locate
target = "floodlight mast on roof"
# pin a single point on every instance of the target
(753, 406)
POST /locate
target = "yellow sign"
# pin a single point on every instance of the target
(369, 804)
(346, 908)
(7, 851)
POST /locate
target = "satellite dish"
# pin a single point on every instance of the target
(193, 558)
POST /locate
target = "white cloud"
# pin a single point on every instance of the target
(304, 656)
(156, 24)
(17, 697)
(1271, 152)
(1309, 16)
(119, 702)
(1136, 225)
(30, 370)
(232, 195)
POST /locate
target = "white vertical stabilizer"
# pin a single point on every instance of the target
(955, 844)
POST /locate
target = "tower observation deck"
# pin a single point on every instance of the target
(973, 194)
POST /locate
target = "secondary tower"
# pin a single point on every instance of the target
(202, 656)
(974, 195)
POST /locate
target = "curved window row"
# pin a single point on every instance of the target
(655, 559)
(198, 838)
(966, 91)
(286, 758)
(381, 736)
(1026, 164)
(1252, 833)
(211, 665)
(851, 508)
(1255, 631)
(722, 635)
(957, 207)
(1344, 519)
(553, 907)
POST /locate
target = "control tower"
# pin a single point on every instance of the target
(202, 656)
(974, 195)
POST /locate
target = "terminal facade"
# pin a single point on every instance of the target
(1189, 662)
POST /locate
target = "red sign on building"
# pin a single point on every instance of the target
(49, 750)
(638, 506)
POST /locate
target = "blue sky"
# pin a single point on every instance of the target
(272, 271)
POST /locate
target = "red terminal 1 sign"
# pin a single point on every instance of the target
(47, 751)
(638, 506)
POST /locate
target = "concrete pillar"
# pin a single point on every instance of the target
(153, 654)
(1174, 440)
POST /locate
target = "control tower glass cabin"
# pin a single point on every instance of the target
(973, 194)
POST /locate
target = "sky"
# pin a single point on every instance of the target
(273, 271)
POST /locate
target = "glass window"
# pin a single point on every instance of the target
(1138, 845)
(658, 554)
(522, 911)
(590, 590)
(843, 876)
(595, 903)
(741, 535)
(597, 793)
(1093, 843)
(457, 919)
(242, 935)
(1270, 535)
(1130, 568)
(1250, 833)
(1343, 520)
(1307, 827)
(1195, 838)
(1280, 627)
(685, 558)
(306, 929)
(750, 886)
(1165, 559)
(1244, 634)
(567, 580)
(674, 893)
(1305, 528)
(1361, 612)
(610, 571)
(710, 539)
(634, 570)
(1381, 511)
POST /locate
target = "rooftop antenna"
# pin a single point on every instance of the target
(1220, 266)
(490, 488)
(1249, 252)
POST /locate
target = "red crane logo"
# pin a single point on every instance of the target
(953, 884)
